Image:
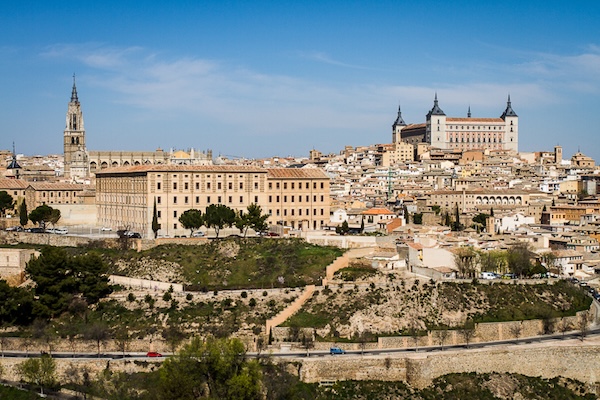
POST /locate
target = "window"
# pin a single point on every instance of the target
(292, 211)
(207, 199)
(314, 185)
(306, 185)
(230, 199)
(185, 200)
(270, 185)
(219, 199)
(158, 185)
(322, 198)
(255, 199)
(230, 186)
(197, 185)
(241, 199)
(292, 199)
(277, 185)
(270, 199)
(197, 199)
(175, 214)
(256, 185)
(241, 185)
(174, 185)
(218, 185)
(292, 185)
(208, 185)
(158, 214)
(186, 186)
(158, 199)
(285, 185)
(285, 199)
(285, 212)
(174, 226)
(175, 200)
(277, 199)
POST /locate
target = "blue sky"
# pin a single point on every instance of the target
(257, 79)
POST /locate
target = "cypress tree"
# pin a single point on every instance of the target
(23, 217)
(155, 224)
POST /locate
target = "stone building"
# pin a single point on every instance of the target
(480, 200)
(81, 164)
(125, 196)
(443, 132)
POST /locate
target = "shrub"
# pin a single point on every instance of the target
(244, 294)
(265, 293)
(252, 302)
(189, 297)
(131, 297)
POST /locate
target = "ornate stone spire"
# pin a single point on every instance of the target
(74, 98)
(469, 112)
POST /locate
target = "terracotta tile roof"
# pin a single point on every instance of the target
(299, 173)
(12, 184)
(377, 211)
(475, 120)
(59, 186)
(180, 168)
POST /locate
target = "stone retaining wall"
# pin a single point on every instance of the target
(144, 283)
(419, 370)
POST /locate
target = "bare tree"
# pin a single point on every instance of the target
(97, 332)
(261, 344)
(583, 325)
(516, 329)
(564, 326)
(3, 341)
(468, 332)
(442, 337)
(308, 342)
(387, 362)
(122, 339)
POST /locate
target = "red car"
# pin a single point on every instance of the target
(153, 354)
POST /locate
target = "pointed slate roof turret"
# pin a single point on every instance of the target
(469, 112)
(74, 98)
(399, 121)
(436, 110)
(509, 111)
(14, 164)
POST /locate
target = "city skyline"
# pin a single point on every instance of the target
(256, 80)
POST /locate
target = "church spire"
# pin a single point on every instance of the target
(399, 121)
(74, 98)
(469, 112)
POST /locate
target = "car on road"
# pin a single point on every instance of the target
(198, 234)
(35, 230)
(106, 229)
(336, 350)
(153, 354)
(14, 229)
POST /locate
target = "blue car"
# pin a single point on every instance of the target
(336, 350)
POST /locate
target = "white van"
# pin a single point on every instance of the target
(488, 275)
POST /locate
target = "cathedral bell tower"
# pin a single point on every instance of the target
(75, 153)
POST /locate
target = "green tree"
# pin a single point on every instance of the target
(39, 371)
(519, 260)
(417, 219)
(218, 216)
(6, 202)
(54, 216)
(342, 229)
(191, 219)
(258, 220)
(362, 225)
(242, 222)
(213, 368)
(59, 278)
(456, 225)
(42, 215)
(492, 260)
(23, 216)
(155, 224)
(481, 219)
(16, 305)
